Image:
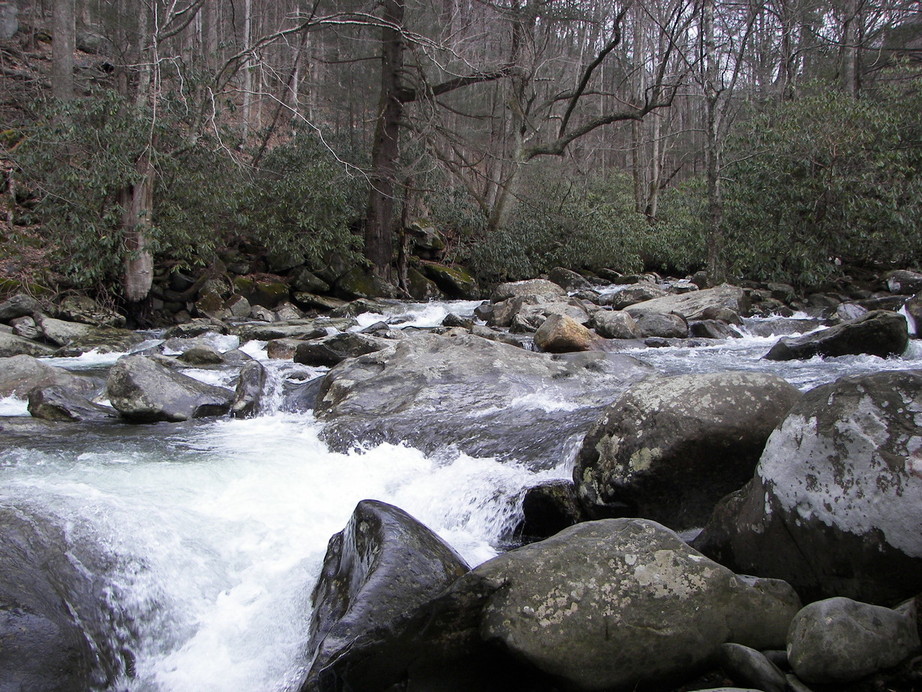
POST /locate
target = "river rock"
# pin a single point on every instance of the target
(547, 509)
(305, 281)
(750, 667)
(531, 287)
(25, 327)
(453, 281)
(201, 355)
(64, 403)
(839, 640)
(712, 329)
(878, 333)
(77, 308)
(568, 279)
(487, 398)
(615, 324)
(835, 506)
(53, 615)
(102, 340)
(671, 447)
(20, 374)
(296, 329)
(12, 345)
(660, 325)
(563, 334)
(903, 282)
(528, 317)
(421, 288)
(697, 305)
(376, 572)
(624, 603)
(143, 391)
(61, 332)
(337, 348)
(249, 391)
(636, 293)
(19, 305)
(196, 327)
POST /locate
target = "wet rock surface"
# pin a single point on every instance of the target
(485, 398)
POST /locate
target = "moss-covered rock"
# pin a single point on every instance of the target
(422, 288)
(358, 283)
(265, 290)
(455, 282)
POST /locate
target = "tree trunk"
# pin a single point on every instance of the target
(712, 148)
(385, 152)
(848, 55)
(62, 50)
(137, 206)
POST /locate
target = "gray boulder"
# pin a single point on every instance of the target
(20, 374)
(77, 308)
(144, 391)
(102, 340)
(376, 572)
(13, 345)
(66, 404)
(615, 324)
(25, 327)
(487, 398)
(547, 509)
(54, 619)
(840, 640)
(671, 447)
(660, 325)
(568, 279)
(61, 332)
(529, 317)
(19, 305)
(904, 282)
(697, 305)
(877, 333)
(751, 667)
(532, 287)
(297, 329)
(624, 603)
(453, 281)
(337, 348)
(835, 506)
(633, 294)
(248, 394)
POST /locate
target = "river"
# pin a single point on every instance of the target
(212, 533)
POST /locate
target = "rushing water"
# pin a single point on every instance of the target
(214, 531)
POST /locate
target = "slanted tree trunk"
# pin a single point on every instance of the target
(385, 152)
(62, 50)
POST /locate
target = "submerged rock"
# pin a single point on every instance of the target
(144, 391)
(485, 398)
(835, 506)
(376, 573)
(671, 447)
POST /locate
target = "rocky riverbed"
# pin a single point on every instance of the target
(696, 515)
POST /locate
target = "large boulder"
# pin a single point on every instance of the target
(12, 345)
(336, 348)
(661, 325)
(839, 640)
(624, 603)
(615, 324)
(453, 281)
(835, 506)
(64, 403)
(77, 308)
(671, 447)
(568, 279)
(248, 394)
(484, 397)
(359, 283)
(697, 305)
(877, 333)
(528, 314)
(633, 294)
(377, 571)
(904, 282)
(54, 618)
(144, 391)
(19, 305)
(295, 329)
(531, 287)
(21, 374)
(562, 334)
(61, 332)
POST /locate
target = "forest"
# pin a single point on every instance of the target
(774, 140)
